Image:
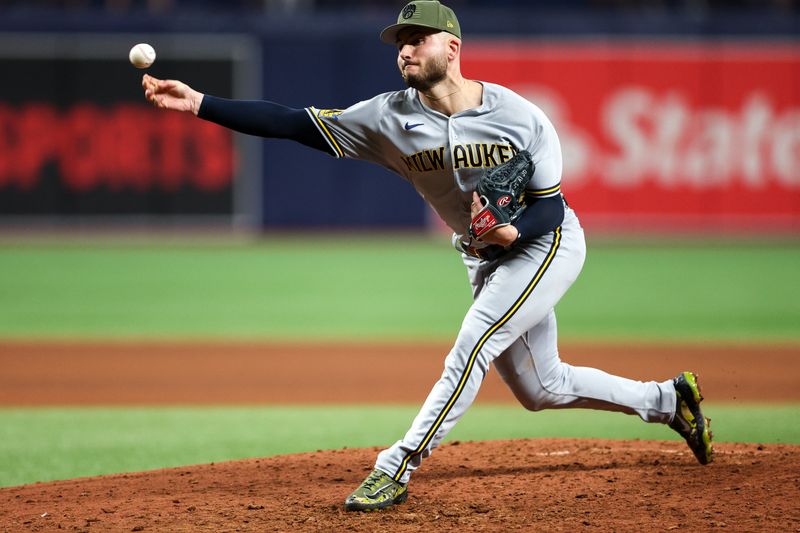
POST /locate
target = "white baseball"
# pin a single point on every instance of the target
(142, 55)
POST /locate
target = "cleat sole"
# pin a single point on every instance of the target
(698, 435)
(691, 378)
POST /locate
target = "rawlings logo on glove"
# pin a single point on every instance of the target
(483, 222)
(502, 192)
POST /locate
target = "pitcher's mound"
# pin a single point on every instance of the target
(527, 485)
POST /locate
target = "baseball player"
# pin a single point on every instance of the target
(443, 134)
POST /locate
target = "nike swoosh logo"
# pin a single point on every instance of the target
(412, 126)
(378, 492)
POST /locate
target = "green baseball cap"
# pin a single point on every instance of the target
(425, 13)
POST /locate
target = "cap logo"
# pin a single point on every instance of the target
(449, 24)
(409, 11)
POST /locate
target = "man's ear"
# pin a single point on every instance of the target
(453, 48)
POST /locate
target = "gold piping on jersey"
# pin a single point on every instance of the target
(474, 354)
(314, 112)
(541, 193)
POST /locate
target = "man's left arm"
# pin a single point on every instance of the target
(540, 217)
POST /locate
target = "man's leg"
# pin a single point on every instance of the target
(513, 296)
(534, 372)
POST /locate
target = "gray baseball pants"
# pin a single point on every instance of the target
(512, 324)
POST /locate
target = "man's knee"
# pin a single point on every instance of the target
(533, 398)
(533, 404)
(541, 392)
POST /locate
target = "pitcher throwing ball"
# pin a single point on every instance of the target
(520, 241)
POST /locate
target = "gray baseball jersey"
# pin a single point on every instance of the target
(511, 323)
(442, 156)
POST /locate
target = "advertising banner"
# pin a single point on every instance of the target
(78, 140)
(665, 135)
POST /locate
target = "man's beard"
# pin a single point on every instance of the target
(430, 76)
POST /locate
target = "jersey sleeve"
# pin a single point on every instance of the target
(354, 132)
(545, 149)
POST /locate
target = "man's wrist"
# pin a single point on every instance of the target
(197, 101)
(516, 239)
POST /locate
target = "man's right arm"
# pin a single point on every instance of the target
(264, 119)
(253, 117)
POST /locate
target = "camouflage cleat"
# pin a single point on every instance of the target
(689, 421)
(378, 491)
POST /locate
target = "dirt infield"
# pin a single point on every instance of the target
(161, 373)
(522, 485)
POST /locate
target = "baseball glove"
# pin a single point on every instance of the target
(502, 192)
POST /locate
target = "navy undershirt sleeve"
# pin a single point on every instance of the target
(540, 217)
(264, 119)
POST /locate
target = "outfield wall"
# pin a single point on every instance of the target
(665, 124)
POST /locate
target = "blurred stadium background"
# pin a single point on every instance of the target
(680, 125)
(674, 115)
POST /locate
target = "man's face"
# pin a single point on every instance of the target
(422, 57)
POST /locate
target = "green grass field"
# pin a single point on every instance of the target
(346, 287)
(400, 287)
(58, 443)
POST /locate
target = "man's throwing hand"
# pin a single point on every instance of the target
(171, 94)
